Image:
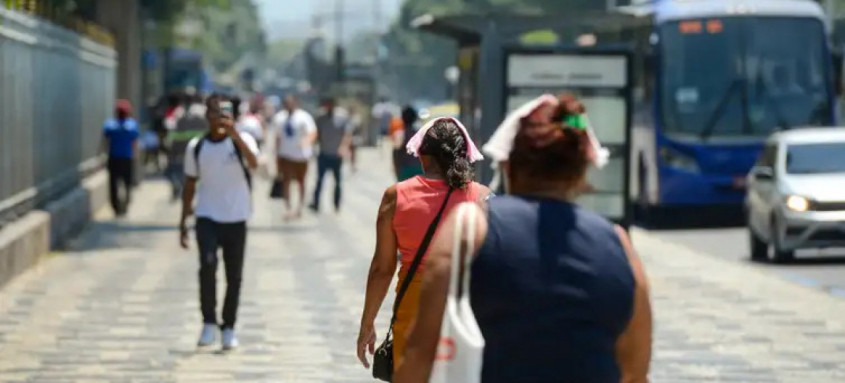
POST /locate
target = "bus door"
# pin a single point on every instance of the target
(602, 80)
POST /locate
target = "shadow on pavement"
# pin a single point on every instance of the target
(103, 235)
(814, 259)
(669, 219)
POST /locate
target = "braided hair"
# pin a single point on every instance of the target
(446, 144)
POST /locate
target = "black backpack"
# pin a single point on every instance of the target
(240, 155)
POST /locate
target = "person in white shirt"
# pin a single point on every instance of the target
(221, 161)
(248, 121)
(296, 134)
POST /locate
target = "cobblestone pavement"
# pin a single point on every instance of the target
(121, 305)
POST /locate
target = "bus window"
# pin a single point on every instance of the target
(746, 77)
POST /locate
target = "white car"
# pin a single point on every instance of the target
(796, 193)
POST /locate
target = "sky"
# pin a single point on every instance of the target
(294, 18)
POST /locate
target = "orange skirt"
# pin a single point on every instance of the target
(406, 314)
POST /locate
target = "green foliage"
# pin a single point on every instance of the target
(283, 51)
(169, 10)
(230, 33)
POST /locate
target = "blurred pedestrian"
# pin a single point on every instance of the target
(557, 291)
(408, 215)
(222, 161)
(295, 137)
(191, 125)
(406, 165)
(120, 136)
(357, 122)
(334, 135)
(251, 122)
(382, 115)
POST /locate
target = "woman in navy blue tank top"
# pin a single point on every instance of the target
(558, 292)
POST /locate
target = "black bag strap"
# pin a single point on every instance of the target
(240, 155)
(429, 235)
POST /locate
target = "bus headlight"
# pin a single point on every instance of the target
(673, 158)
(797, 203)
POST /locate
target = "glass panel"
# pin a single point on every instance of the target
(744, 76)
(610, 206)
(816, 158)
(608, 117)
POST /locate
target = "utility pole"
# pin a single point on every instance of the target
(339, 54)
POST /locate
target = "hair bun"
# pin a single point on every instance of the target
(547, 148)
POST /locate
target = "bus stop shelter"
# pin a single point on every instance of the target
(500, 50)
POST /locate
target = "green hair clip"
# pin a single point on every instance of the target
(576, 121)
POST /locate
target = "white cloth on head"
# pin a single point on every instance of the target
(500, 145)
(414, 144)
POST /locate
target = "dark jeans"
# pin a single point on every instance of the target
(231, 237)
(326, 163)
(120, 172)
(176, 175)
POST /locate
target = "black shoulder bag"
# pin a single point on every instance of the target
(383, 357)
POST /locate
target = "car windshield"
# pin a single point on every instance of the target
(817, 158)
(744, 76)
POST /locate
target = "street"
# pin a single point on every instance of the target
(121, 304)
(821, 269)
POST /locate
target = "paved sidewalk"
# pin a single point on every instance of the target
(122, 306)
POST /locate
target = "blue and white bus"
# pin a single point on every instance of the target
(714, 78)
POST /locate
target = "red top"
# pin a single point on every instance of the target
(417, 202)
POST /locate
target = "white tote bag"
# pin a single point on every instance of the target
(460, 351)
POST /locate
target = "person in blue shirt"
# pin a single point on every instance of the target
(120, 136)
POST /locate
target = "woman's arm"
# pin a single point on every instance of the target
(484, 194)
(381, 273)
(415, 366)
(633, 348)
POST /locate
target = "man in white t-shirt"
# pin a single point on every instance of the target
(218, 167)
(296, 134)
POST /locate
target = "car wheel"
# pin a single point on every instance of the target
(783, 256)
(780, 255)
(759, 249)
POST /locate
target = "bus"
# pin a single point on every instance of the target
(713, 79)
(185, 69)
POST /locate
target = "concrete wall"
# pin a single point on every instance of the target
(56, 89)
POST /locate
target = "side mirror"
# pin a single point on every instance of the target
(762, 173)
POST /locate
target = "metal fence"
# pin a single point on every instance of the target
(56, 89)
(58, 13)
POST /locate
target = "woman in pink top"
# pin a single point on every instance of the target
(406, 212)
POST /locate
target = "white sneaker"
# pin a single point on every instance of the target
(230, 340)
(208, 336)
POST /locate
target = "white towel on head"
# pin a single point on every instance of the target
(500, 145)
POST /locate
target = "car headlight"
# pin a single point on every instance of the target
(673, 158)
(797, 203)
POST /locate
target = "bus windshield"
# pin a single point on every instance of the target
(744, 76)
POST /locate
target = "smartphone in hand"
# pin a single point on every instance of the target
(227, 109)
